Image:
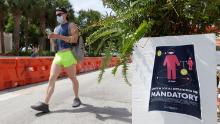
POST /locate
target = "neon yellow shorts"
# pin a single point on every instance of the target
(64, 58)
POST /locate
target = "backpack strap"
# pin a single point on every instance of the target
(69, 32)
(69, 27)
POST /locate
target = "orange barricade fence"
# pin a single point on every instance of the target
(99, 62)
(113, 61)
(8, 75)
(32, 70)
(91, 63)
(110, 64)
(94, 63)
(80, 67)
(21, 71)
(88, 64)
(45, 67)
(83, 65)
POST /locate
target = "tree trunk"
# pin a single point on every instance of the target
(2, 30)
(42, 29)
(16, 33)
(26, 34)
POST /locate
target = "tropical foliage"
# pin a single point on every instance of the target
(28, 19)
(88, 23)
(134, 19)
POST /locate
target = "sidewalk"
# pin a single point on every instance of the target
(105, 103)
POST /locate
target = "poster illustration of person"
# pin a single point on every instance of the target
(175, 84)
(171, 61)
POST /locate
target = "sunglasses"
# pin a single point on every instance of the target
(59, 14)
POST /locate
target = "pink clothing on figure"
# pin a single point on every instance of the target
(171, 61)
(190, 63)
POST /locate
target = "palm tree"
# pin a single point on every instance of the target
(16, 7)
(28, 12)
(43, 7)
(42, 20)
(137, 18)
(2, 8)
(88, 22)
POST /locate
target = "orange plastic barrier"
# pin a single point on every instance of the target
(45, 67)
(113, 61)
(98, 62)
(21, 71)
(80, 67)
(8, 76)
(32, 70)
(88, 64)
(91, 64)
(83, 66)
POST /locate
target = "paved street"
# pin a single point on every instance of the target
(105, 103)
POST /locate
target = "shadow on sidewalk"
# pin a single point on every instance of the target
(102, 113)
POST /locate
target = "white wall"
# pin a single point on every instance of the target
(8, 42)
(143, 61)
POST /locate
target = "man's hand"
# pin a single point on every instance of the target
(54, 36)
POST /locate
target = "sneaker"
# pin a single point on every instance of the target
(76, 102)
(40, 106)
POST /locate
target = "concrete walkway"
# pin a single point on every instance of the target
(105, 103)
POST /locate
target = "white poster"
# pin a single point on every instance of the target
(174, 80)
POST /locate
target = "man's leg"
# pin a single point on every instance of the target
(54, 73)
(71, 72)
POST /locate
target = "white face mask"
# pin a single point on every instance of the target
(60, 19)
